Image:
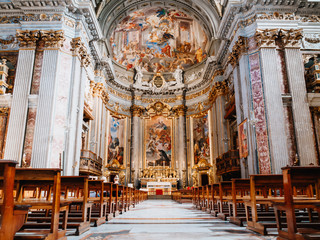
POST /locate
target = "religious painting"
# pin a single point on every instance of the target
(116, 140)
(158, 40)
(201, 147)
(158, 141)
(243, 142)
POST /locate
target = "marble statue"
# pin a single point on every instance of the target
(138, 76)
(178, 75)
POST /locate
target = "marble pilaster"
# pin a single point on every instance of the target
(44, 121)
(73, 109)
(300, 108)
(19, 107)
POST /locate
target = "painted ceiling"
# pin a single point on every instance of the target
(158, 40)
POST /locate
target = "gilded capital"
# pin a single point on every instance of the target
(219, 89)
(291, 37)
(179, 110)
(97, 88)
(266, 37)
(79, 49)
(136, 110)
(27, 39)
(52, 39)
(238, 49)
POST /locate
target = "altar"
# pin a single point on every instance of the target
(158, 180)
(159, 188)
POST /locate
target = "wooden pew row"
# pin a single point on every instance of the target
(182, 196)
(261, 202)
(301, 191)
(46, 184)
(12, 216)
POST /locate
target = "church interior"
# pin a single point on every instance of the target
(200, 111)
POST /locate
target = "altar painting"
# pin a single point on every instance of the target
(243, 140)
(116, 140)
(201, 148)
(158, 40)
(158, 147)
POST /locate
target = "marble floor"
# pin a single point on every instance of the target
(166, 219)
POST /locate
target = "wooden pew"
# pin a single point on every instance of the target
(263, 190)
(215, 189)
(47, 183)
(185, 196)
(295, 179)
(240, 192)
(116, 201)
(75, 190)
(225, 194)
(12, 216)
(96, 197)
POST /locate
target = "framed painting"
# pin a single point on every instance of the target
(201, 143)
(116, 140)
(243, 141)
(158, 141)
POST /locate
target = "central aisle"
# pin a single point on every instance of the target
(167, 220)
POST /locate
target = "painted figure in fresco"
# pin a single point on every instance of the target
(178, 75)
(199, 55)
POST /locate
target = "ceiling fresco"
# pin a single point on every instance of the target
(158, 40)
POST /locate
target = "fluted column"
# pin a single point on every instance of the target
(73, 111)
(301, 111)
(19, 106)
(274, 106)
(43, 133)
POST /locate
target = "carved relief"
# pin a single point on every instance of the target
(158, 109)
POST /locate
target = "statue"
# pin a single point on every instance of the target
(116, 179)
(138, 76)
(178, 75)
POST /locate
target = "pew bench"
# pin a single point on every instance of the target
(46, 183)
(12, 216)
(295, 179)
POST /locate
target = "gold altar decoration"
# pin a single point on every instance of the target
(158, 172)
(202, 165)
(158, 108)
(115, 166)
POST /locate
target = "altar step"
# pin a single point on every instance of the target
(160, 197)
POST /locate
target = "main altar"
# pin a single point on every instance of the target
(158, 180)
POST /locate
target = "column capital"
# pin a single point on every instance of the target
(137, 110)
(179, 110)
(52, 39)
(237, 50)
(219, 89)
(79, 49)
(27, 39)
(266, 37)
(291, 37)
(4, 111)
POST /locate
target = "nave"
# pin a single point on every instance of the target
(167, 219)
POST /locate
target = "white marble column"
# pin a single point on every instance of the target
(222, 129)
(19, 106)
(300, 108)
(73, 110)
(242, 81)
(274, 106)
(182, 143)
(136, 141)
(43, 135)
(78, 141)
